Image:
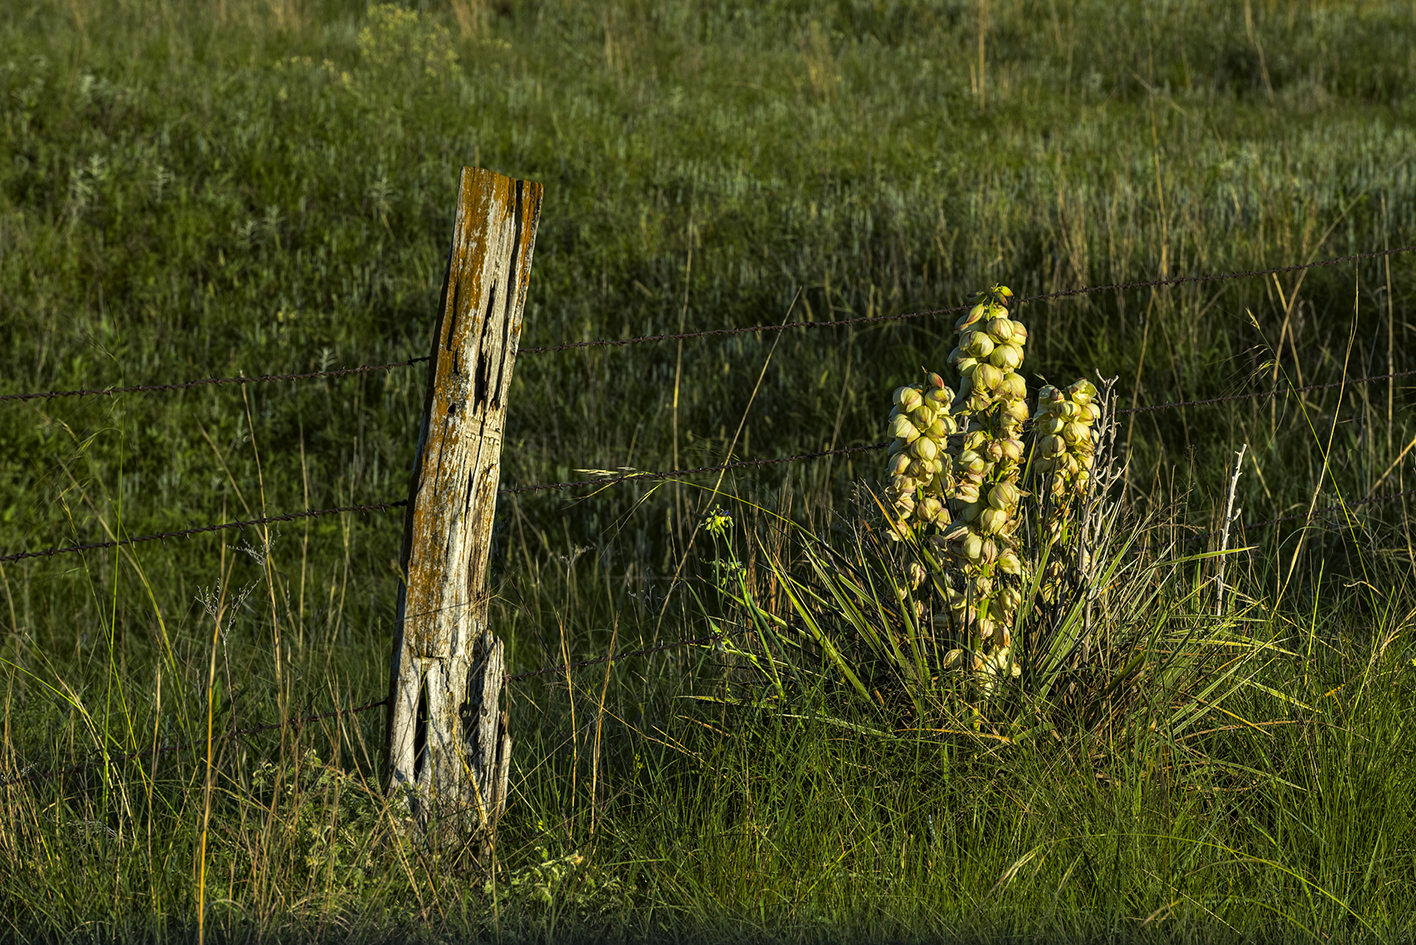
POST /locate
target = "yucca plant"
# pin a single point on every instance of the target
(957, 474)
(991, 580)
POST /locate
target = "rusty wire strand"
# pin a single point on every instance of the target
(149, 388)
(643, 476)
(563, 667)
(168, 749)
(1046, 297)
(289, 517)
(1295, 516)
(383, 506)
(1267, 393)
(671, 474)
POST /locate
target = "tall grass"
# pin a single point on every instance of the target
(190, 191)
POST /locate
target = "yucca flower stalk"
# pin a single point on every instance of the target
(1066, 448)
(984, 499)
(920, 425)
(956, 473)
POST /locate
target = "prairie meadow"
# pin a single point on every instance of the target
(249, 187)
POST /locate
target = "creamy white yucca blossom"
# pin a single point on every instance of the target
(956, 466)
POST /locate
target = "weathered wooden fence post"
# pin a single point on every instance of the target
(447, 741)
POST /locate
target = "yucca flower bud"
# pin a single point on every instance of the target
(1006, 357)
(977, 344)
(979, 399)
(1005, 495)
(1082, 392)
(1052, 445)
(907, 397)
(970, 462)
(972, 548)
(974, 314)
(1013, 387)
(1009, 562)
(967, 492)
(991, 521)
(915, 574)
(1000, 329)
(987, 377)
(1076, 432)
(902, 428)
(972, 511)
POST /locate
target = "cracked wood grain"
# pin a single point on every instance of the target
(448, 747)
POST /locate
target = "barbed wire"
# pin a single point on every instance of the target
(581, 664)
(168, 749)
(1295, 516)
(333, 713)
(182, 385)
(271, 519)
(1045, 297)
(674, 473)
(1266, 393)
(638, 476)
(563, 667)
(383, 506)
(677, 336)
